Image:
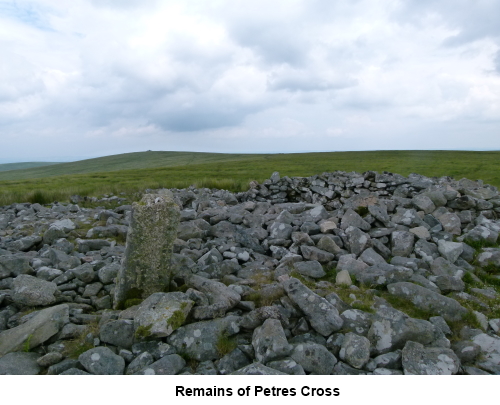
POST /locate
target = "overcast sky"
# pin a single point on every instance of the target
(88, 78)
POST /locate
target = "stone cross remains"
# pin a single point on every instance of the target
(146, 267)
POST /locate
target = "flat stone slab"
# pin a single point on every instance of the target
(19, 363)
(428, 300)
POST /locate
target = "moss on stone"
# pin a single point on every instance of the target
(143, 332)
(131, 302)
(177, 319)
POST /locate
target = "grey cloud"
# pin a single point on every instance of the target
(496, 61)
(306, 81)
(19, 78)
(275, 43)
(474, 20)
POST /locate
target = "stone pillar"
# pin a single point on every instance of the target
(146, 266)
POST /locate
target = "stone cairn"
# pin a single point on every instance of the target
(338, 273)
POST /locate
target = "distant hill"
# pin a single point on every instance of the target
(125, 161)
(24, 165)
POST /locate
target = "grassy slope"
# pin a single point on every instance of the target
(125, 161)
(235, 174)
(24, 165)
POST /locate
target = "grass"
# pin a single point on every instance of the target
(225, 345)
(132, 173)
(79, 345)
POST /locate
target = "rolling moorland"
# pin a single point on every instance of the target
(133, 172)
(24, 165)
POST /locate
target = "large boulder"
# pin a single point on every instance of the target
(269, 341)
(322, 315)
(41, 327)
(428, 300)
(202, 340)
(162, 313)
(421, 360)
(31, 291)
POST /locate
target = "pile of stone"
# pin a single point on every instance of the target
(339, 273)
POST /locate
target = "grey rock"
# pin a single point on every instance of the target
(146, 264)
(220, 297)
(490, 352)
(42, 326)
(355, 350)
(428, 300)
(87, 245)
(269, 341)
(257, 369)
(161, 313)
(391, 329)
(118, 333)
(351, 218)
(287, 366)
(232, 361)
(391, 360)
(49, 359)
(313, 253)
(310, 268)
(199, 340)
(140, 362)
(102, 361)
(314, 358)
(451, 223)
(321, 314)
(371, 257)
(19, 363)
(466, 351)
(420, 360)
(451, 251)
(14, 265)
(423, 203)
(64, 366)
(85, 273)
(402, 243)
(357, 240)
(356, 321)
(171, 364)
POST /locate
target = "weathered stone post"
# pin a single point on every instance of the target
(146, 266)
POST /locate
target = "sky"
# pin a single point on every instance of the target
(88, 78)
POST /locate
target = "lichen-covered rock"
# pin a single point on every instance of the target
(269, 341)
(355, 350)
(220, 297)
(314, 358)
(31, 291)
(160, 314)
(19, 363)
(420, 360)
(391, 329)
(203, 340)
(102, 361)
(146, 266)
(322, 315)
(168, 365)
(428, 300)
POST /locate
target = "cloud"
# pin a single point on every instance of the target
(221, 75)
(471, 20)
(27, 12)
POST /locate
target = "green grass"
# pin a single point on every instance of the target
(134, 172)
(225, 344)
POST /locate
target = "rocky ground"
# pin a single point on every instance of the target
(339, 273)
